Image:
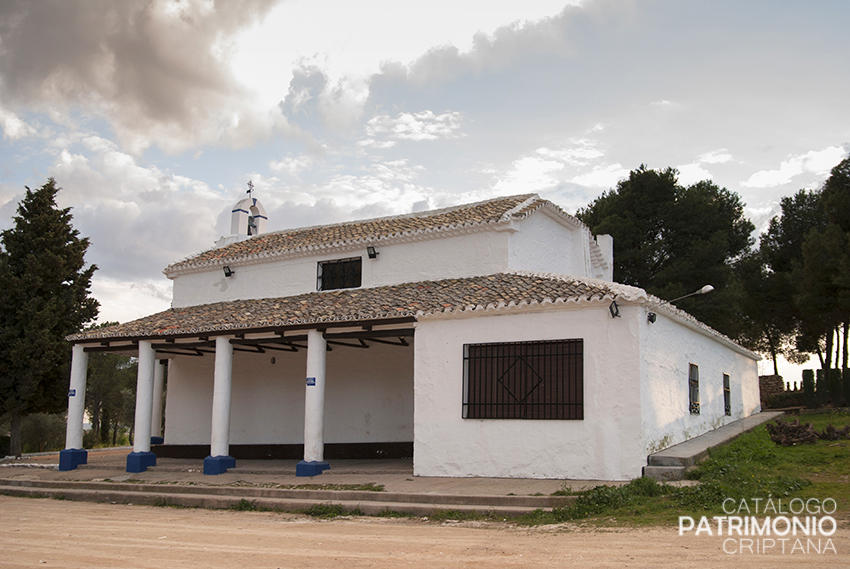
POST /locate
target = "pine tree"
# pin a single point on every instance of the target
(44, 296)
(672, 240)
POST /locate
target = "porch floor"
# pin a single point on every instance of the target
(272, 484)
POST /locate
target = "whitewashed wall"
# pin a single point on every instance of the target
(368, 397)
(537, 243)
(669, 347)
(605, 445)
(544, 243)
(452, 257)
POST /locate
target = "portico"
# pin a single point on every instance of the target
(289, 343)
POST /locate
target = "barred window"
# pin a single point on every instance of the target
(693, 389)
(341, 273)
(524, 380)
(727, 395)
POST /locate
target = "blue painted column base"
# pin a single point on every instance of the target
(71, 458)
(157, 440)
(313, 468)
(140, 461)
(218, 464)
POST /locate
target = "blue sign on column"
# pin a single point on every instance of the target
(311, 381)
(72, 393)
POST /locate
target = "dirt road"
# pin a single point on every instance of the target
(52, 533)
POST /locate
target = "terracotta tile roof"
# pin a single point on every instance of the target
(410, 299)
(279, 243)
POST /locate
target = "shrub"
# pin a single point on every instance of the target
(835, 392)
(809, 388)
(785, 399)
(822, 388)
(42, 432)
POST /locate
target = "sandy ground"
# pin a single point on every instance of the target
(52, 533)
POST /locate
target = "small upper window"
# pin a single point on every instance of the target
(693, 389)
(340, 273)
(727, 395)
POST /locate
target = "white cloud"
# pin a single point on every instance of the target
(549, 167)
(381, 188)
(290, 165)
(814, 162)
(529, 174)
(692, 173)
(420, 126)
(122, 301)
(581, 153)
(13, 127)
(721, 156)
(138, 218)
(602, 176)
(372, 143)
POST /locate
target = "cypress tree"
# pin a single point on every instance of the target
(44, 296)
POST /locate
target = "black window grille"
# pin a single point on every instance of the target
(524, 380)
(693, 389)
(340, 273)
(727, 395)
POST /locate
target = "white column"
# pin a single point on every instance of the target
(144, 397)
(76, 398)
(314, 399)
(223, 381)
(156, 409)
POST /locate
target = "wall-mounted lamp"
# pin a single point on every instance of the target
(228, 272)
(614, 309)
(373, 254)
(651, 317)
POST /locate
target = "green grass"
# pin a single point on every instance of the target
(328, 511)
(463, 516)
(752, 466)
(388, 513)
(244, 505)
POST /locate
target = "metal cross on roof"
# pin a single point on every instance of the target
(250, 189)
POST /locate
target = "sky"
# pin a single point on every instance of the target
(153, 115)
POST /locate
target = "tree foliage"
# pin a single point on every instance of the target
(772, 318)
(44, 297)
(672, 240)
(802, 300)
(111, 377)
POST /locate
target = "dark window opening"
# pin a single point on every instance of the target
(693, 389)
(342, 273)
(727, 395)
(524, 380)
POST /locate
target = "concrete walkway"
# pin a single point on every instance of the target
(372, 486)
(670, 464)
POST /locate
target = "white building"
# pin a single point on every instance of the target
(486, 339)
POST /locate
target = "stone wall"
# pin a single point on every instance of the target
(770, 385)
